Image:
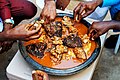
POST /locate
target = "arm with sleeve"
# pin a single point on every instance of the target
(110, 2)
(114, 4)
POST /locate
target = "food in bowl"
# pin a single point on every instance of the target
(63, 44)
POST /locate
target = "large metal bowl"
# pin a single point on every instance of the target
(62, 72)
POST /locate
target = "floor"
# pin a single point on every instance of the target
(108, 67)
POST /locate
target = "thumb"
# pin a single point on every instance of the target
(95, 36)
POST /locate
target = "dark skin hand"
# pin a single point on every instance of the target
(6, 45)
(62, 4)
(40, 75)
(83, 9)
(102, 27)
(20, 32)
(49, 11)
(7, 27)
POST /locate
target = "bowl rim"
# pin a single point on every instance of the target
(62, 72)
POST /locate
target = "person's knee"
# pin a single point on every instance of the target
(30, 10)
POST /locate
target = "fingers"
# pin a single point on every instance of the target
(95, 36)
(83, 9)
(79, 11)
(62, 4)
(28, 26)
(36, 36)
(48, 17)
(76, 10)
(45, 76)
(39, 74)
(36, 76)
(34, 31)
(6, 46)
(45, 18)
(85, 14)
(33, 37)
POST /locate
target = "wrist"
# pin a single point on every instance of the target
(115, 24)
(3, 36)
(47, 1)
(98, 2)
(7, 26)
(9, 21)
(6, 35)
(112, 24)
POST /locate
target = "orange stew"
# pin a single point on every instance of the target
(46, 61)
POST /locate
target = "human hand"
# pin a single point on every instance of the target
(62, 4)
(7, 27)
(5, 46)
(39, 75)
(83, 9)
(99, 28)
(49, 11)
(22, 32)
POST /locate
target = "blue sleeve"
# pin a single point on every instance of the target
(110, 2)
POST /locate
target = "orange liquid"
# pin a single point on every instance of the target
(46, 61)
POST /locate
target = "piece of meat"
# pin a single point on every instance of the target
(80, 53)
(54, 29)
(37, 49)
(72, 41)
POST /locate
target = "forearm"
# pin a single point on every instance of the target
(111, 24)
(98, 2)
(6, 35)
(115, 25)
(7, 26)
(3, 36)
(62, 4)
(47, 1)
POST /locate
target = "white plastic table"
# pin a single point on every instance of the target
(19, 69)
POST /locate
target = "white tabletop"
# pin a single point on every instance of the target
(19, 69)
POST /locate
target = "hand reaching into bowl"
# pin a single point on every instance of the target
(99, 28)
(6, 45)
(62, 4)
(49, 11)
(39, 75)
(20, 32)
(83, 9)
